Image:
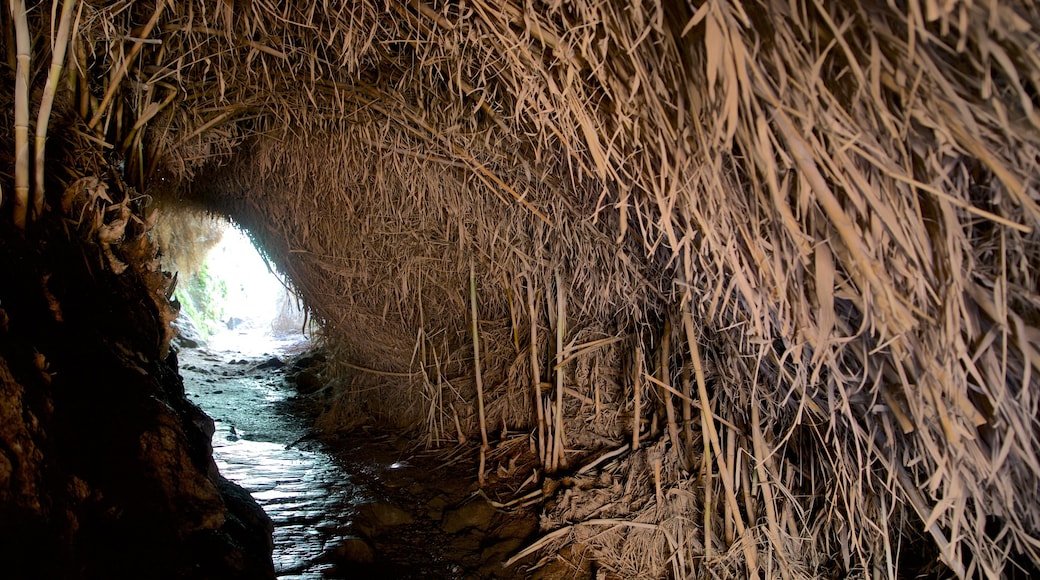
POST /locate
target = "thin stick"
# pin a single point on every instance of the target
(117, 78)
(47, 102)
(709, 495)
(687, 411)
(750, 552)
(766, 485)
(655, 463)
(476, 361)
(669, 405)
(637, 386)
(549, 446)
(561, 331)
(458, 425)
(731, 454)
(21, 113)
(536, 377)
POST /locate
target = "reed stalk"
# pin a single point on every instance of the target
(750, 552)
(478, 375)
(58, 48)
(560, 446)
(23, 43)
(637, 390)
(536, 377)
(666, 395)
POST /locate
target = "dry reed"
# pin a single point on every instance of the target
(839, 202)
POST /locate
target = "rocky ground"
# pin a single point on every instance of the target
(363, 505)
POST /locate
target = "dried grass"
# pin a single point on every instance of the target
(835, 205)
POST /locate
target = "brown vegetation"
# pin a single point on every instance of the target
(786, 252)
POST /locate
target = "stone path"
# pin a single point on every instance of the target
(307, 494)
(362, 506)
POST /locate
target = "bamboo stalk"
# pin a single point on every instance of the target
(476, 362)
(637, 387)
(665, 377)
(560, 457)
(687, 411)
(750, 552)
(536, 377)
(47, 102)
(21, 113)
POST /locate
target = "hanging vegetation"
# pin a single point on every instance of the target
(736, 288)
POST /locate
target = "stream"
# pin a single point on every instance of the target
(365, 505)
(301, 487)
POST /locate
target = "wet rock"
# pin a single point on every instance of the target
(309, 361)
(187, 334)
(494, 555)
(353, 551)
(306, 382)
(271, 363)
(241, 548)
(476, 513)
(376, 519)
(435, 507)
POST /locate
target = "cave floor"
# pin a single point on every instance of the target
(366, 504)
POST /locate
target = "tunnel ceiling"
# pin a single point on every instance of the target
(821, 217)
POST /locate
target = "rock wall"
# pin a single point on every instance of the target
(106, 469)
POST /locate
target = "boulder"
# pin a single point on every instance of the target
(378, 518)
(474, 514)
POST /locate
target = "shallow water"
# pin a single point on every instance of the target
(372, 489)
(257, 444)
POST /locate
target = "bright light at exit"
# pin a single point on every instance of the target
(258, 311)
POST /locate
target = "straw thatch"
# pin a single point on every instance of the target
(785, 251)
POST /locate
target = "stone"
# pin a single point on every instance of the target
(353, 550)
(271, 363)
(306, 382)
(435, 507)
(187, 334)
(494, 555)
(476, 513)
(375, 519)
(518, 527)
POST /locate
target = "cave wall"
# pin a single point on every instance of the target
(106, 469)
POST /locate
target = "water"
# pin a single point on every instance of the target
(323, 500)
(263, 447)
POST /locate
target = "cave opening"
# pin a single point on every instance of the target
(246, 356)
(233, 298)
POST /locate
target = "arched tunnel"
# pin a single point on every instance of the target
(711, 289)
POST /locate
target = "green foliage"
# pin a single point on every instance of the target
(202, 300)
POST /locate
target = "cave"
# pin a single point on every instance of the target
(710, 289)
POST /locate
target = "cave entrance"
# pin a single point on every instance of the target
(231, 298)
(243, 357)
(364, 504)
